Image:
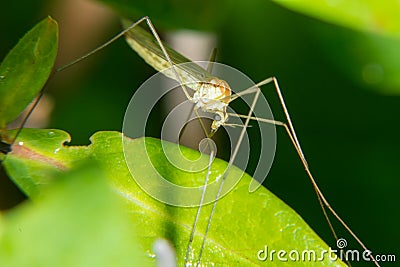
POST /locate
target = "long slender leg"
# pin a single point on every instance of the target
(194, 227)
(113, 39)
(292, 135)
(193, 231)
(35, 103)
(230, 163)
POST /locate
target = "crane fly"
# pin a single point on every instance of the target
(213, 95)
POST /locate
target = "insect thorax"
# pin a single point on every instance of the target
(213, 96)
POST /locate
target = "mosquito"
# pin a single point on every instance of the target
(213, 95)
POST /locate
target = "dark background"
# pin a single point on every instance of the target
(348, 127)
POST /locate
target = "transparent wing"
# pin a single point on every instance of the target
(147, 47)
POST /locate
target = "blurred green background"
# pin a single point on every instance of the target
(341, 86)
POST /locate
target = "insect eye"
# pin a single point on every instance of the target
(217, 117)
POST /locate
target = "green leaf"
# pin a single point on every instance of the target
(365, 48)
(26, 68)
(244, 223)
(77, 222)
(365, 15)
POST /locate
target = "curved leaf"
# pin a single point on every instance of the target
(26, 68)
(375, 16)
(78, 222)
(244, 223)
